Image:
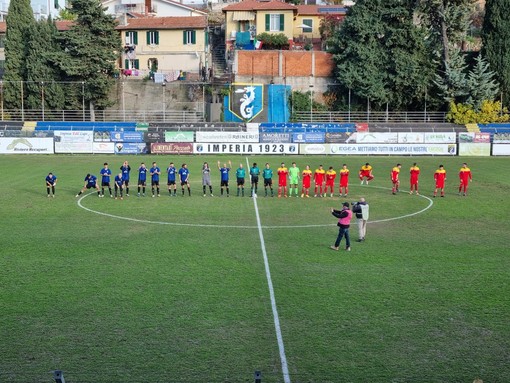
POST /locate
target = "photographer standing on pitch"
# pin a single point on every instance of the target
(344, 220)
(361, 209)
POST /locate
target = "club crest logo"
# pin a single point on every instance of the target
(246, 100)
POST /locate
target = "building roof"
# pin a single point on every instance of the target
(62, 25)
(320, 10)
(170, 22)
(253, 5)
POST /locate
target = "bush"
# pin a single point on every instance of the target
(273, 41)
(490, 111)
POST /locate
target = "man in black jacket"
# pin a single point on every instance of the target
(361, 210)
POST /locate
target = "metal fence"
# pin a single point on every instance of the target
(188, 116)
(195, 116)
(369, 116)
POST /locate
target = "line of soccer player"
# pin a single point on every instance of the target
(465, 178)
(288, 180)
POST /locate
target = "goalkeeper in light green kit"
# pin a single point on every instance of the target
(294, 179)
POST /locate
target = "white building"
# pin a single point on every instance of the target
(42, 8)
(159, 8)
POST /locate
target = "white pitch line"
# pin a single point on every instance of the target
(281, 347)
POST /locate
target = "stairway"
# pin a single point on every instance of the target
(219, 63)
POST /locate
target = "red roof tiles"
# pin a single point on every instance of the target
(253, 5)
(171, 22)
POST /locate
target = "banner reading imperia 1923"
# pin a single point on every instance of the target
(245, 148)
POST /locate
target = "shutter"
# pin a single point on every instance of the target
(137, 64)
(156, 37)
(309, 23)
(184, 37)
(206, 38)
(126, 64)
(267, 22)
(193, 37)
(282, 22)
(135, 38)
(148, 34)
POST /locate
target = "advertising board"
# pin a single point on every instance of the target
(172, 148)
(245, 148)
(26, 145)
(234, 137)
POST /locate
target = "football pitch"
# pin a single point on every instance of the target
(212, 289)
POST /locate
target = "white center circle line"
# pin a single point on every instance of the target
(430, 204)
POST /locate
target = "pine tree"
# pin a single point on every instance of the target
(453, 83)
(496, 43)
(481, 84)
(448, 22)
(90, 50)
(20, 22)
(381, 55)
(42, 75)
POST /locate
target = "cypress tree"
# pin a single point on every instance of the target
(496, 43)
(381, 54)
(20, 22)
(90, 50)
(42, 76)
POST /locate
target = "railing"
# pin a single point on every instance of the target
(199, 116)
(357, 116)
(103, 115)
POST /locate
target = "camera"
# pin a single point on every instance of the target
(354, 203)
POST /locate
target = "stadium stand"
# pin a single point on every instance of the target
(494, 128)
(206, 127)
(86, 125)
(415, 127)
(307, 128)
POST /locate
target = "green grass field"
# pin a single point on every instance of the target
(175, 289)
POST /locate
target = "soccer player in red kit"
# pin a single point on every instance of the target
(282, 180)
(415, 173)
(440, 177)
(330, 181)
(366, 172)
(465, 176)
(307, 181)
(344, 181)
(394, 178)
(318, 178)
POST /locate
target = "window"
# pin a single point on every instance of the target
(131, 38)
(189, 37)
(152, 38)
(308, 22)
(131, 64)
(275, 22)
(152, 64)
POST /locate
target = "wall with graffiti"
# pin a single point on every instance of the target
(248, 102)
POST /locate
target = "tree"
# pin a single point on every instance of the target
(448, 22)
(66, 14)
(496, 43)
(381, 55)
(90, 50)
(43, 88)
(481, 84)
(453, 83)
(489, 112)
(20, 22)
